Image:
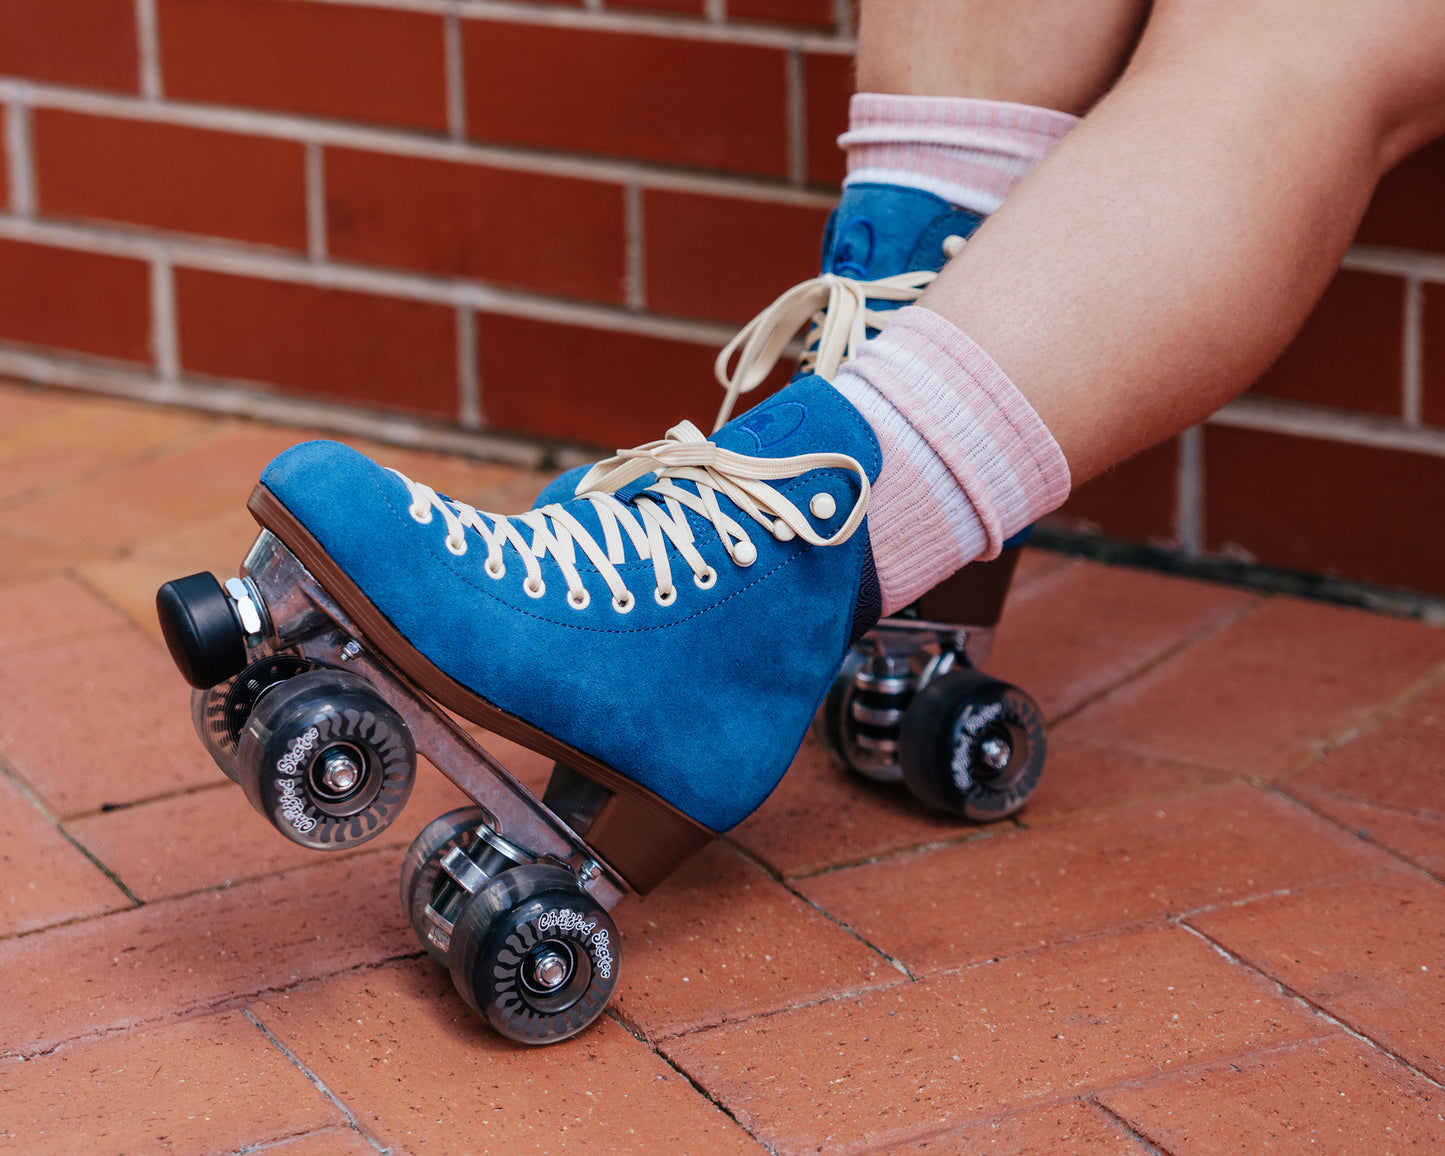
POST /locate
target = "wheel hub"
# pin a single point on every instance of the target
(995, 752)
(339, 772)
(547, 968)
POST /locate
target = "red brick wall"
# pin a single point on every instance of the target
(503, 225)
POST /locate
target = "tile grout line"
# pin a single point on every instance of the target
(1148, 1143)
(1315, 1008)
(317, 1082)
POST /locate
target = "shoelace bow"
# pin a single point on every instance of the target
(651, 520)
(836, 306)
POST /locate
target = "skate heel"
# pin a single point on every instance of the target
(635, 833)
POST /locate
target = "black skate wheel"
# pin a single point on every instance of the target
(326, 760)
(972, 746)
(201, 629)
(421, 869)
(535, 955)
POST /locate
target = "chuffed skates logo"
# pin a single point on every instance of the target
(293, 806)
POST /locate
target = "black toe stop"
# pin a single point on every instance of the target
(201, 629)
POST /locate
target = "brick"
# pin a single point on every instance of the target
(169, 960)
(23, 559)
(1079, 777)
(1136, 499)
(53, 610)
(166, 176)
(1086, 628)
(686, 102)
(216, 1084)
(691, 7)
(1371, 952)
(419, 1071)
(44, 878)
(1349, 355)
(1405, 210)
(858, 1074)
(156, 494)
(1075, 1127)
(1408, 744)
(86, 42)
(353, 62)
(1417, 838)
(595, 386)
(552, 234)
(1332, 1096)
(1432, 402)
(1260, 697)
(213, 838)
(117, 723)
(827, 88)
(818, 13)
(4, 170)
(333, 343)
(724, 257)
(76, 442)
(334, 1142)
(74, 300)
(822, 816)
(721, 941)
(1349, 510)
(994, 897)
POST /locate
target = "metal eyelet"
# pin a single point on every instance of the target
(579, 599)
(823, 506)
(420, 515)
(540, 589)
(745, 553)
(457, 547)
(665, 599)
(706, 580)
(500, 570)
(624, 607)
(782, 531)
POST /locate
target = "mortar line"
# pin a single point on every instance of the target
(316, 226)
(317, 1082)
(796, 123)
(1413, 373)
(19, 150)
(148, 45)
(456, 80)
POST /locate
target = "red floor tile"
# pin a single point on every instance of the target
(53, 610)
(1371, 952)
(44, 878)
(1265, 694)
(117, 723)
(721, 941)
(333, 1142)
(422, 1074)
(176, 958)
(25, 559)
(214, 1084)
(1331, 1096)
(1078, 777)
(1080, 630)
(896, 1065)
(1076, 1127)
(1418, 838)
(958, 905)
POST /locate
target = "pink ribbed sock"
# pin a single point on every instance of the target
(967, 463)
(969, 152)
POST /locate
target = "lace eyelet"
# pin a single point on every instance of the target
(745, 553)
(706, 580)
(457, 546)
(420, 515)
(624, 607)
(579, 599)
(534, 592)
(823, 506)
(498, 571)
(665, 599)
(782, 531)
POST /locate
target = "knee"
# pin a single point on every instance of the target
(1376, 66)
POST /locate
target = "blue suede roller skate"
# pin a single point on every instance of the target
(909, 702)
(666, 635)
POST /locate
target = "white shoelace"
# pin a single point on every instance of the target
(655, 517)
(838, 309)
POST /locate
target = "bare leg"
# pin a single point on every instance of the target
(1059, 54)
(1165, 253)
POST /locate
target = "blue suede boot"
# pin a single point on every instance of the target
(669, 633)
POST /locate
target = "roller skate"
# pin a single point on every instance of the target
(910, 703)
(666, 637)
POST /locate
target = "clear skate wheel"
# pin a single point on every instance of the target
(220, 713)
(972, 746)
(421, 871)
(534, 954)
(326, 760)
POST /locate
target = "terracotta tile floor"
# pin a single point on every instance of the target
(1218, 927)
